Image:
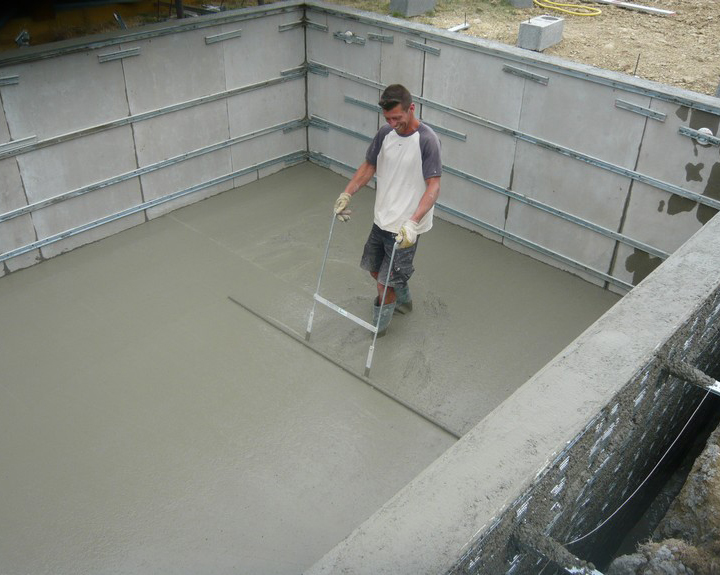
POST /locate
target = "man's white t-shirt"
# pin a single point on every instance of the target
(403, 163)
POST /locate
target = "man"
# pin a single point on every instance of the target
(405, 155)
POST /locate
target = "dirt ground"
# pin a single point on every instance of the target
(681, 50)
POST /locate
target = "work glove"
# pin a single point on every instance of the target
(407, 235)
(340, 204)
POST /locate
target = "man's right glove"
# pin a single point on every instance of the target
(407, 235)
(340, 204)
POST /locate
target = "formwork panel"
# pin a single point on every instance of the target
(354, 53)
(483, 80)
(562, 237)
(171, 135)
(578, 189)
(61, 95)
(679, 160)
(265, 148)
(583, 116)
(338, 147)
(14, 234)
(173, 69)
(655, 215)
(18, 231)
(262, 51)
(633, 265)
(653, 218)
(81, 211)
(400, 64)
(12, 194)
(71, 166)
(4, 128)
(472, 200)
(345, 103)
(260, 109)
(183, 176)
(474, 149)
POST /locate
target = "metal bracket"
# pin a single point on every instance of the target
(381, 38)
(318, 69)
(291, 26)
(322, 160)
(299, 70)
(447, 131)
(316, 26)
(422, 47)
(320, 124)
(119, 55)
(699, 137)
(526, 75)
(301, 125)
(349, 37)
(372, 107)
(222, 37)
(9, 80)
(323, 124)
(622, 104)
(15, 145)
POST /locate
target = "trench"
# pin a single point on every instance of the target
(640, 519)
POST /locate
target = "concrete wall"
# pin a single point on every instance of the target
(97, 137)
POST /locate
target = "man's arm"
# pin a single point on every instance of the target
(432, 191)
(362, 176)
(407, 235)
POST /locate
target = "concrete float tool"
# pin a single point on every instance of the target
(317, 298)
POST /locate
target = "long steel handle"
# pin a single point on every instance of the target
(322, 271)
(368, 363)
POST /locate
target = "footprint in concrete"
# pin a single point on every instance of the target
(418, 371)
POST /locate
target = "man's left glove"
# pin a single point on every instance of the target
(407, 235)
(340, 204)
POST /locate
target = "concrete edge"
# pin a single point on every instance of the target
(427, 526)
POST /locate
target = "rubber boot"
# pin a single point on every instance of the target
(385, 316)
(403, 300)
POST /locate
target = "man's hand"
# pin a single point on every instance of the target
(407, 235)
(340, 204)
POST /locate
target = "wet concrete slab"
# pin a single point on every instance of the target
(150, 424)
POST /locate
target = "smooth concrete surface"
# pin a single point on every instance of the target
(150, 425)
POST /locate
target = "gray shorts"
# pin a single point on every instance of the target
(376, 258)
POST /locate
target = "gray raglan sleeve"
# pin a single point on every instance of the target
(430, 150)
(376, 145)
